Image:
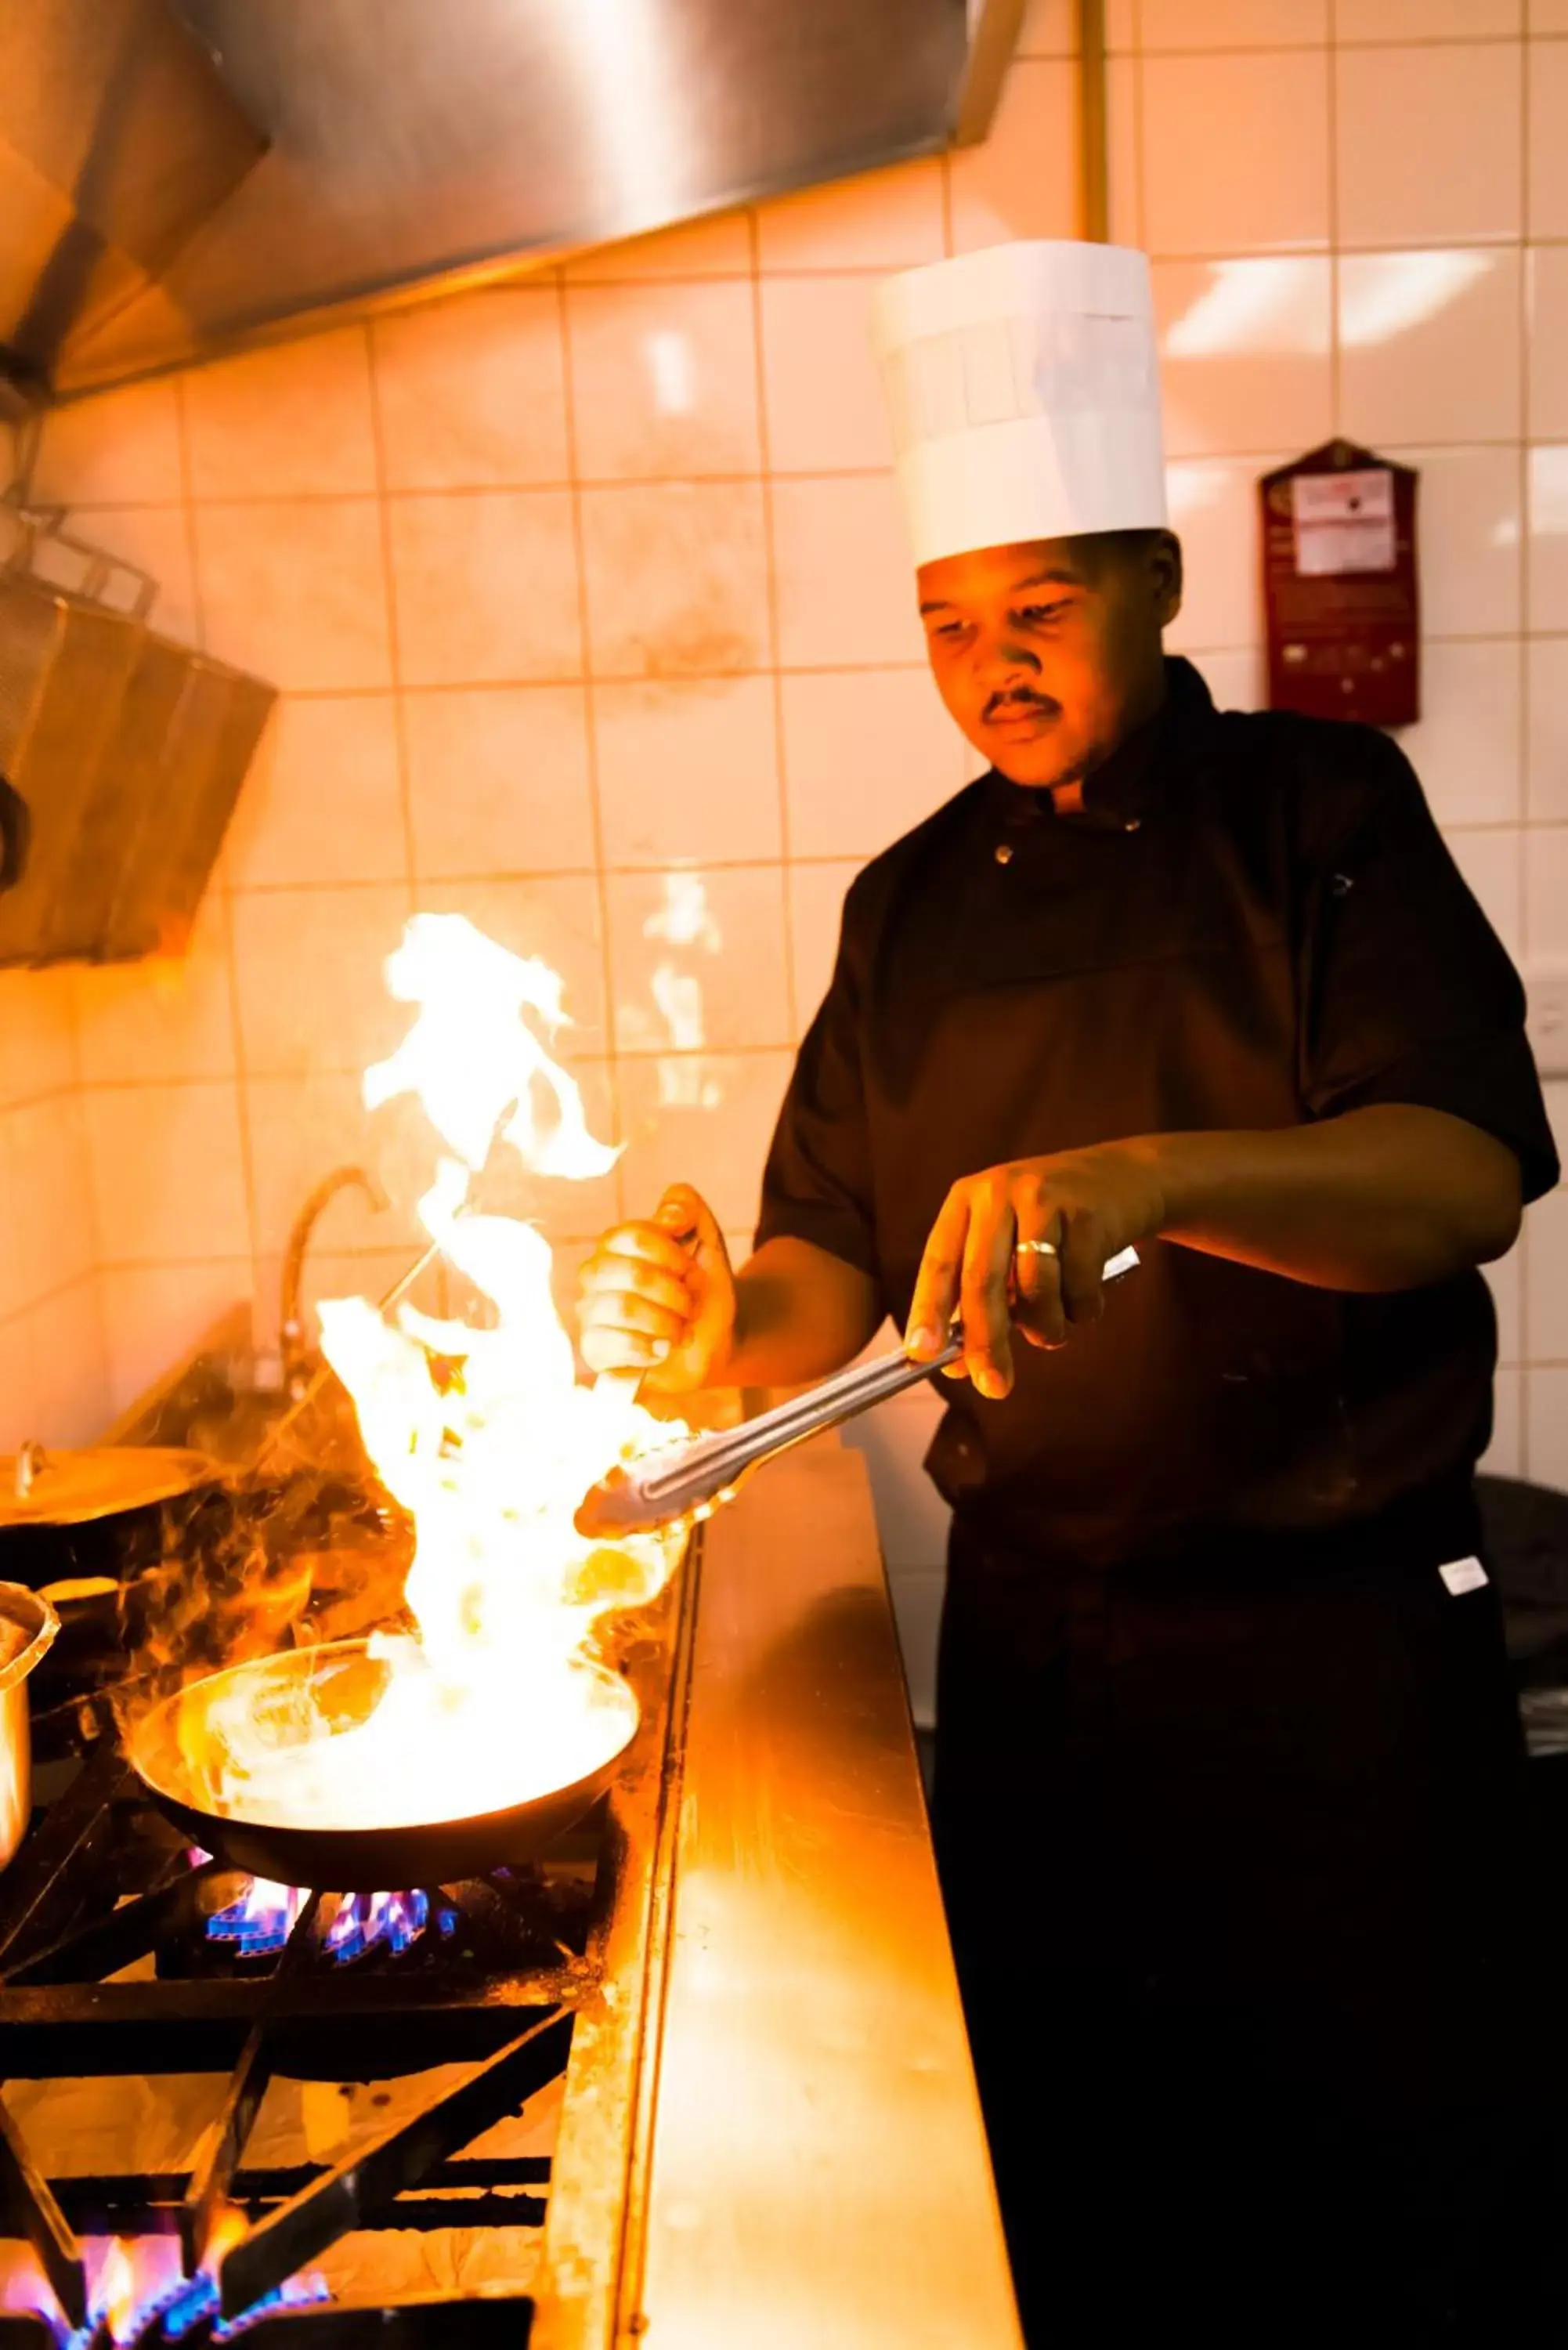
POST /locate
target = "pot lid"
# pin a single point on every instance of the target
(72, 1488)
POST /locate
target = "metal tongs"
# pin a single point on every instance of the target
(688, 1479)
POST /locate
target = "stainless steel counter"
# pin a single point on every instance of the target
(770, 2134)
(818, 2170)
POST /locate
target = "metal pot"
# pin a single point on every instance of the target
(34, 1624)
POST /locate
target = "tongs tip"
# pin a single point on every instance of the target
(598, 1518)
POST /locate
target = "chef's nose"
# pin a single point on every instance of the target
(1001, 652)
(1002, 663)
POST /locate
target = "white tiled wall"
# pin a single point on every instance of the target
(1355, 211)
(51, 1338)
(590, 607)
(591, 615)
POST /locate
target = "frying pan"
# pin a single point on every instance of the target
(344, 1680)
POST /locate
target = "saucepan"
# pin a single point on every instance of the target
(27, 1625)
(179, 1749)
(95, 1517)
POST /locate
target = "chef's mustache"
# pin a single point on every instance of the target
(1017, 703)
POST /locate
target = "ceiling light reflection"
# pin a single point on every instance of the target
(1252, 305)
(679, 995)
(668, 355)
(687, 1083)
(684, 919)
(638, 103)
(1272, 306)
(1190, 489)
(1549, 492)
(1382, 295)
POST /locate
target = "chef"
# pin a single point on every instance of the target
(1229, 1792)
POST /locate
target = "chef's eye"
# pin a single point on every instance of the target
(1034, 616)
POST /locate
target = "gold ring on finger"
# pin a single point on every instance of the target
(1035, 1248)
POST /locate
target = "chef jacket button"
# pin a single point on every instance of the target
(1003, 852)
(1133, 824)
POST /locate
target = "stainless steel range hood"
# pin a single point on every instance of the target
(410, 144)
(117, 143)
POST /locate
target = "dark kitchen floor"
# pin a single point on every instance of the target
(926, 1740)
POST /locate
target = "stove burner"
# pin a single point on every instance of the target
(142, 2297)
(176, 2313)
(260, 1922)
(367, 1921)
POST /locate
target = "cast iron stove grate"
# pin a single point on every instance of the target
(110, 1973)
(489, 1987)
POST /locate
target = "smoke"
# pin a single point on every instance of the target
(306, 1548)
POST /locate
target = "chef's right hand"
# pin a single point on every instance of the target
(658, 1297)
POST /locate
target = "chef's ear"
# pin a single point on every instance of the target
(1165, 574)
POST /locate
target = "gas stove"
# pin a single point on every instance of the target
(413, 2117)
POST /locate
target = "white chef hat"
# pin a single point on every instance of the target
(1024, 395)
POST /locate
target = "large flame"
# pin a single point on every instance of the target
(486, 1438)
(117, 2292)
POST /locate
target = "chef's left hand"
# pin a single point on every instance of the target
(1089, 1204)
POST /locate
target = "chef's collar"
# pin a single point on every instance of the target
(1119, 792)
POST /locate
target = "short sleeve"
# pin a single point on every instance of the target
(816, 1185)
(1407, 993)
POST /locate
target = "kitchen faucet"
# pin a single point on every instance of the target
(294, 1349)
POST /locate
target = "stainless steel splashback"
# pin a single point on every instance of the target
(409, 143)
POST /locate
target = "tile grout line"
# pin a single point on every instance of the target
(15, 1314)
(349, 1072)
(389, 603)
(1522, 772)
(859, 854)
(1336, 354)
(835, 473)
(394, 669)
(769, 557)
(227, 891)
(49, 1094)
(820, 669)
(1140, 194)
(1351, 41)
(476, 878)
(78, 1093)
(591, 736)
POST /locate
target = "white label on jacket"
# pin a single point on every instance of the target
(1463, 1575)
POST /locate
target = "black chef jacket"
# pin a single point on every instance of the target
(1254, 923)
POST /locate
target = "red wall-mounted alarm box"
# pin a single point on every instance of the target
(1341, 602)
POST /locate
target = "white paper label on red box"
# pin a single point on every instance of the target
(1463, 1575)
(1345, 522)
